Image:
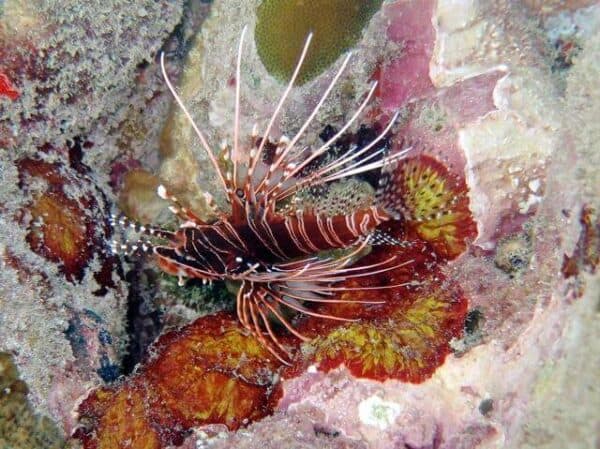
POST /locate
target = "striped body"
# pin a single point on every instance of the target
(217, 248)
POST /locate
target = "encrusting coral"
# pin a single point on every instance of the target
(65, 228)
(20, 426)
(209, 372)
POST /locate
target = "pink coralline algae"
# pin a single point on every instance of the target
(406, 77)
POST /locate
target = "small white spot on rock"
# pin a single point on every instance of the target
(376, 412)
(162, 192)
(534, 185)
(532, 200)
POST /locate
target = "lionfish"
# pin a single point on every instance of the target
(281, 259)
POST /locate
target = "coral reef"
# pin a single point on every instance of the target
(73, 79)
(209, 372)
(479, 88)
(20, 427)
(499, 103)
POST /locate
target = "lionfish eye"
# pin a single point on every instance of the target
(239, 193)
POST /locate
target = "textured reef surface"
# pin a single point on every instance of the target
(490, 337)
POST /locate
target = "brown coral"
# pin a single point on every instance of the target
(209, 372)
(59, 233)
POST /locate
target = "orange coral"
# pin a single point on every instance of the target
(210, 372)
(436, 205)
(60, 232)
(106, 410)
(408, 345)
(66, 225)
(217, 364)
(406, 337)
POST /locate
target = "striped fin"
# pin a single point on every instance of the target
(389, 195)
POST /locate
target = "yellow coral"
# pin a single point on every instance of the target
(436, 205)
(134, 432)
(409, 345)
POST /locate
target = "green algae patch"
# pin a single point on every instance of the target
(283, 25)
(20, 426)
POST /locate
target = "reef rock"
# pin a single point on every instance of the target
(493, 91)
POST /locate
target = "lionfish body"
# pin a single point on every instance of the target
(228, 248)
(276, 255)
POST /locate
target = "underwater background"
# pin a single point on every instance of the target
(484, 336)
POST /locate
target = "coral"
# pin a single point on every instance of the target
(20, 426)
(138, 199)
(282, 27)
(61, 235)
(435, 205)
(113, 431)
(409, 344)
(65, 228)
(405, 335)
(208, 372)
(513, 253)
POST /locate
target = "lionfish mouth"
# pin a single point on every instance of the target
(276, 255)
